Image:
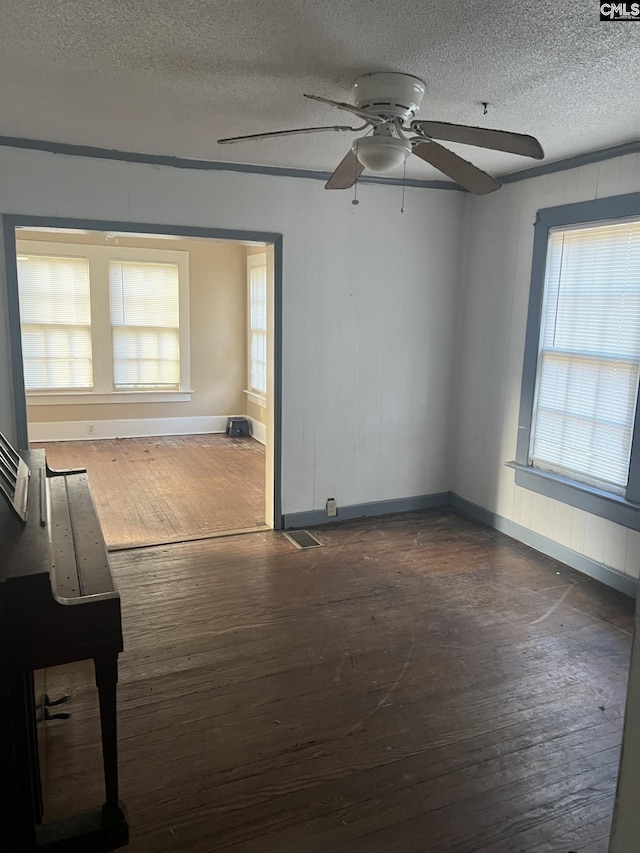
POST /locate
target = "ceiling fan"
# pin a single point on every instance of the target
(387, 102)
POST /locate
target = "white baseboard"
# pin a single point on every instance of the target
(258, 430)
(126, 428)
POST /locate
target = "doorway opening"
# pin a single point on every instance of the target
(150, 359)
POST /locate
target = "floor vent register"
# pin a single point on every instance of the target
(303, 539)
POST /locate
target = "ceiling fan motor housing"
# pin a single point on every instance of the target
(389, 94)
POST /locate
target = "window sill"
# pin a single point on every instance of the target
(588, 498)
(89, 398)
(256, 399)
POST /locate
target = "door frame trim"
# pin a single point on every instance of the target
(10, 222)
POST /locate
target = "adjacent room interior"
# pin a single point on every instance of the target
(137, 352)
(400, 247)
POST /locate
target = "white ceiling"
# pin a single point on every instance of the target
(171, 76)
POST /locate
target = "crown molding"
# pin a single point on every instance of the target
(575, 162)
(205, 165)
(71, 150)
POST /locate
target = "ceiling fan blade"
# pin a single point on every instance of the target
(462, 172)
(371, 118)
(498, 140)
(347, 173)
(290, 133)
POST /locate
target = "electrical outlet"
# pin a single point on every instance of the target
(332, 507)
(90, 429)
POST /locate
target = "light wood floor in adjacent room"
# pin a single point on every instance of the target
(421, 684)
(158, 490)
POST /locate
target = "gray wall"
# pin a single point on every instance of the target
(493, 317)
(369, 298)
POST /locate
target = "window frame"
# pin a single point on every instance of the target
(25, 324)
(155, 331)
(99, 258)
(258, 259)
(624, 510)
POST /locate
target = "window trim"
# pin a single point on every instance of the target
(137, 330)
(254, 395)
(78, 398)
(98, 258)
(50, 324)
(608, 505)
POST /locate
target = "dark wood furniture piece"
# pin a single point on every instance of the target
(58, 604)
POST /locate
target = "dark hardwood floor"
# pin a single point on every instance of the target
(421, 684)
(171, 488)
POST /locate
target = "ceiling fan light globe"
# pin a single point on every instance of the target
(381, 153)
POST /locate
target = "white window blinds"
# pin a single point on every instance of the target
(258, 328)
(145, 325)
(55, 314)
(589, 354)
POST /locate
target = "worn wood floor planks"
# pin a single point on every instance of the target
(421, 684)
(157, 490)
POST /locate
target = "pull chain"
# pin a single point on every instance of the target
(354, 200)
(404, 184)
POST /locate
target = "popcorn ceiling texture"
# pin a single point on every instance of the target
(171, 76)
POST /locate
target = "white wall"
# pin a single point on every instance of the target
(492, 318)
(369, 302)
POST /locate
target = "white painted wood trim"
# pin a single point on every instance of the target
(126, 428)
(258, 399)
(74, 398)
(258, 430)
(99, 258)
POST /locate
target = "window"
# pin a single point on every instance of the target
(578, 423)
(103, 321)
(257, 266)
(145, 328)
(55, 318)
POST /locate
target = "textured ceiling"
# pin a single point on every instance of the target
(171, 76)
